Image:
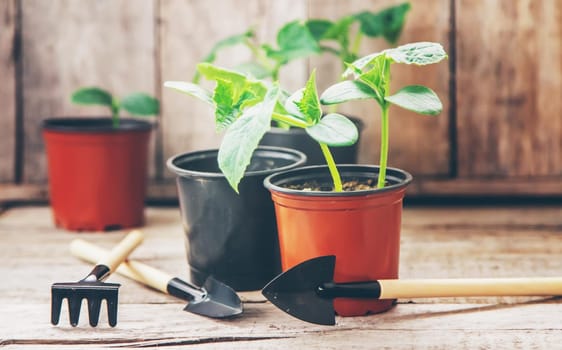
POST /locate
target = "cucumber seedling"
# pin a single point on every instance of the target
(138, 104)
(371, 75)
(244, 108)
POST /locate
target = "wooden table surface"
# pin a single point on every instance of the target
(436, 242)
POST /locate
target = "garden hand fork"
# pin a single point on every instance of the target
(92, 288)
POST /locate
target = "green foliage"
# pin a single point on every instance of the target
(334, 130)
(372, 80)
(387, 23)
(244, 108)
(301, 39)
(242, 137)
(294, 41)
(92, 96)
(417, 98)
(309, 104)
(138, 104)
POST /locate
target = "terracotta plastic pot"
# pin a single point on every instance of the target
(97, 173)
(228, 235)
(361, 228)
(298, 139)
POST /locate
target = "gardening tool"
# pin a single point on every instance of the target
(92, 288)
(306, 290)
(214, 299)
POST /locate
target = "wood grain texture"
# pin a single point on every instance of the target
(418, 144)
(188, 31)
(460, 189)
(8, 18)
(68, 44)
(436, 242)
(509, 70)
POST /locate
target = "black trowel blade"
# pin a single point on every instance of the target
(295, 291)
(218, 301)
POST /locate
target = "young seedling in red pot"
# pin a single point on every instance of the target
(138, 104)
(372, 81)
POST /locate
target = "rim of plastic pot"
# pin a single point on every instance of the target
(277, 130)
(94, 124)
(397, 179)
(298, 158)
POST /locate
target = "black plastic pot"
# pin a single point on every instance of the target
(228, 235)
(297, 138)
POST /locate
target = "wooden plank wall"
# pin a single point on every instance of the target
(502, 118)
(8, 47)
(509, 88)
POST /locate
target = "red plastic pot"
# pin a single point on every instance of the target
(97, 173)
(361, 228)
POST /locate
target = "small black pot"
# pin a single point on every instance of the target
(297, 138)
(228, 235)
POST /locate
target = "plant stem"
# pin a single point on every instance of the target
(262, 59)
(289, 119)
(356, 43)
(384, 147)
(338, 187)
(115, 112)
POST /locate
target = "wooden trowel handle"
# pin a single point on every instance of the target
(467, 287)
(133, 269)
(121, 251)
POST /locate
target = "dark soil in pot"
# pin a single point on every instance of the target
(228, 235)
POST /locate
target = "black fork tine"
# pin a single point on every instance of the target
(94, 306)
(92, 288)
(74, 306)
(56, 304)
(112, 310)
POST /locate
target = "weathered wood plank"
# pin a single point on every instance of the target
(437, 326)
(188, 31)
(436, 242)
(508, 89)
(68, 44)
(8, 23)
(421, 187)
(409, 146)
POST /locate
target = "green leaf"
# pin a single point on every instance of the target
(212, 72)
(354, 69)
(225, 111)
(319, 27)
(375, 77)
(309, 105)
(92, 96)
(417, 98)
(295, 41)
(290, 104)
(346, 91)
(334, 130)
(340, 30)
(243, 136)
(387, 23)
(140, 104)
(191, 89)
(222, 44)
(420, 53)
